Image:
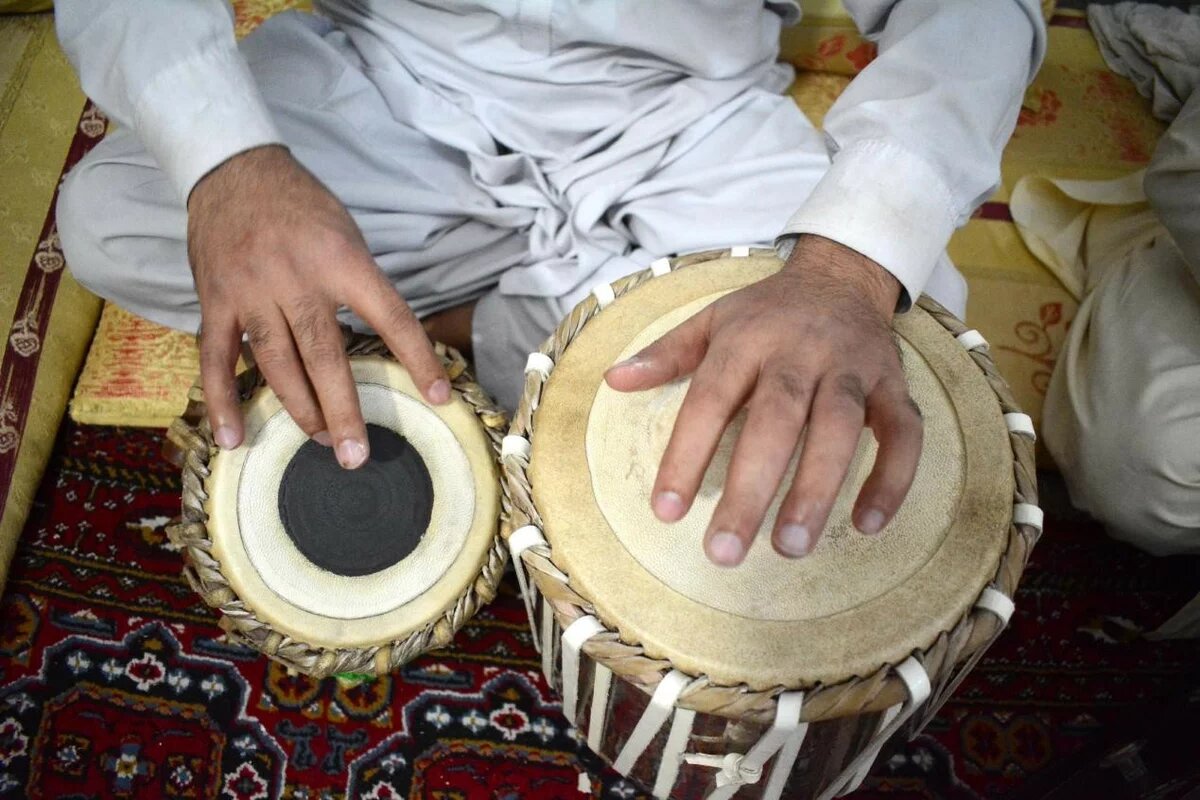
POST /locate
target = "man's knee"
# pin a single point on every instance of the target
(505, 330)
(123, 231)
(1141, 477)
(85, 204)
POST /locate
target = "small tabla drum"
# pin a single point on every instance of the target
(346, 572)
(782, 677)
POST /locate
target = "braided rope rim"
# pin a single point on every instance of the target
(191, 435)
(972, 634)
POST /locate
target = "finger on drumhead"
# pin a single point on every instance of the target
(760, 459)
(896, 421)
(835, 425)
(678, 353)
(220, 342)
(319, 342)
(715, 394)
(275, 354)
(382, 307)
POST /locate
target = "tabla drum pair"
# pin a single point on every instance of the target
(780, 678)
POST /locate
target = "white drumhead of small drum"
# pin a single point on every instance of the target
(302, 583)
(286, 589)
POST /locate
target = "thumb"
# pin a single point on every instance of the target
(676, 354)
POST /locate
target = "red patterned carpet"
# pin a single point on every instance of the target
(114, 680)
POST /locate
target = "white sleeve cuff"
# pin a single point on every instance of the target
(887, 204)
(199, 113)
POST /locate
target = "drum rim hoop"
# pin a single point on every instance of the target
(972, 634)
(192, 435)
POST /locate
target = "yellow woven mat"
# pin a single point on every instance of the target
(827, 40)
(137, 373)
(45, 317)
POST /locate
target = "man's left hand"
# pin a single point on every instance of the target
(809, 346)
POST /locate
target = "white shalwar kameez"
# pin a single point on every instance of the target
(518, 152)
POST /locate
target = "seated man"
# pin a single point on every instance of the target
(1122, 416)
(481, 164)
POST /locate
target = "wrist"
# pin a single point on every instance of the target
(816, 255)
(234, 169)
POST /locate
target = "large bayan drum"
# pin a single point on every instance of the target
(781, 677)
(331, 571)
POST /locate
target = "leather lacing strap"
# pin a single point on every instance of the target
(513, 445)
(972, 340)
(673, 752)
(662, 703)
(604, 294)
(539, 363)
(916, 681)
(519, 541)
(999, 605)
(548, 626)
(660, 267)
(1020, 424)
(573, 638)
(1028, 514)
(781, 741)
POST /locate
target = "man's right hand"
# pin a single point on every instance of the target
(274, 255)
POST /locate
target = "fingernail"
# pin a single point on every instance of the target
(794, 539)
(226, 437)
(439, 392)
(668, 506)
(632, 361)
(322, 438)
(351, 454)
(725, 549)
(871, 522)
